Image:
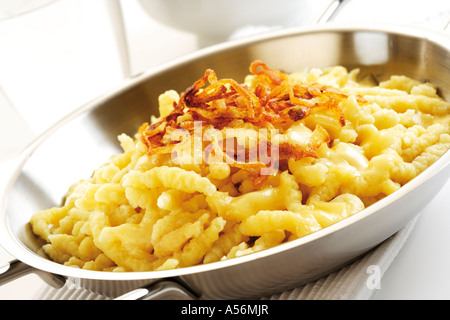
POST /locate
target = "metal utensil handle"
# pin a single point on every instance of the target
(336, 5)
(161, 290)
(331, 11)
(16, 269)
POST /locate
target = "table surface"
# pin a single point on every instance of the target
(60, 68)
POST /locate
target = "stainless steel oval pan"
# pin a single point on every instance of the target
(85, 139)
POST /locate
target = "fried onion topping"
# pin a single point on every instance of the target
(274, 102)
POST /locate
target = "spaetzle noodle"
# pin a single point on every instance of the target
(190, 187)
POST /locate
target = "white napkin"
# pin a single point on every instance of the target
(357, 281)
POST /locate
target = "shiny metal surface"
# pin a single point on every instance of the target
(161, 290)
(84, 140)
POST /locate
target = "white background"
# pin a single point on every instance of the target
(56, 58)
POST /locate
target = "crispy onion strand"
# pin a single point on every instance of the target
(274, 103)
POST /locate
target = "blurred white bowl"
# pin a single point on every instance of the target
(216, 20)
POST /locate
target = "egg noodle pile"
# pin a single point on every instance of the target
(228, 168)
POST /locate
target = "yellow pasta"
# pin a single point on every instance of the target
(170, 177)
(342, 145)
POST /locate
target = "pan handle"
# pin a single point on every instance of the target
(15, 269)
(167, 289)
